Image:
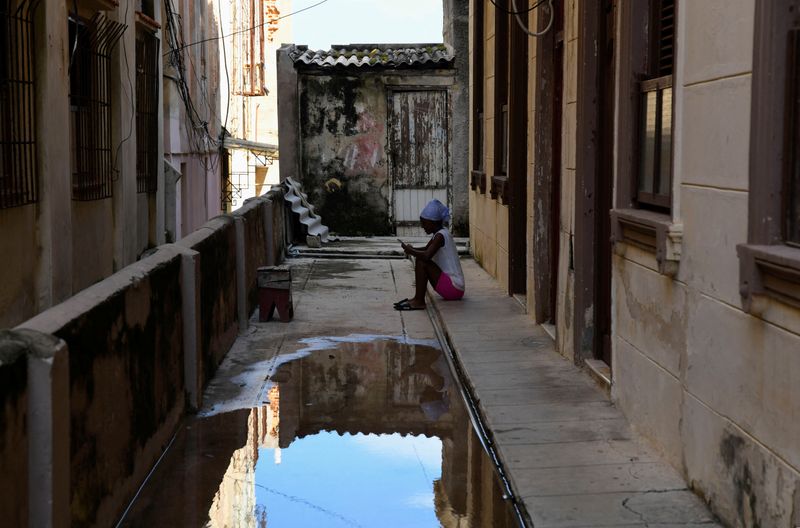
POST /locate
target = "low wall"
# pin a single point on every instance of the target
(125, 377)
(13, 433)
(141, 345)
(218, 319)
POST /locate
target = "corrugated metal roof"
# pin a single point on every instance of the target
(397, 56)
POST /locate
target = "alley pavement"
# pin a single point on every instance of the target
(570, 454)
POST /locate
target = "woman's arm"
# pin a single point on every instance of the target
(428, 251)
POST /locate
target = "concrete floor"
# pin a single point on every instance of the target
(570, 453)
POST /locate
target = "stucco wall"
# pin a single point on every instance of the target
(713, 387)
(488, 218)
(343, 131)
(19, 246)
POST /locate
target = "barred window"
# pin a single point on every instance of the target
(147, 82)
(655, 150)
(18, 174)
(91, 43)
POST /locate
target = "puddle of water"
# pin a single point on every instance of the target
(358, 431)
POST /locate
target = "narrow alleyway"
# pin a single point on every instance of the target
(349, 416)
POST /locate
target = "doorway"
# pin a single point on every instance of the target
(517, 159)
(547, 168)
(418, 154)
(594, 181)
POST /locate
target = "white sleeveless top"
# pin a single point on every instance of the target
(447, 259)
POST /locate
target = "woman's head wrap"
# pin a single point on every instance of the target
(436, 211)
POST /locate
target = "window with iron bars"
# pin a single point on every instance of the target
(655, 134)
(18, 174)
(147, 82)
(91, 43)
(250, 21)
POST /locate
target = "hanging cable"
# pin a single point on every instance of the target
(223, 36)
(515, 11)
(522, 23)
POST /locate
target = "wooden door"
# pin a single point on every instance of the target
(605, 183)
(517, 158)
(419, 145)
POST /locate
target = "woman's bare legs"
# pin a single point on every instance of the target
(424, 272)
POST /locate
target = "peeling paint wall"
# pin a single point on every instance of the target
(344, 155)
(343, 131)
(714, 388)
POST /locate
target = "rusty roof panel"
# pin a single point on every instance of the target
(430, 55)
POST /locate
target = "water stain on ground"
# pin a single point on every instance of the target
(350, 431)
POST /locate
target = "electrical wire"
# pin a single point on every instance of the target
(223, 36)
(522, 23)
(516, 11)
(227, 79)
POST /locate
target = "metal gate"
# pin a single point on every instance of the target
(418, 154)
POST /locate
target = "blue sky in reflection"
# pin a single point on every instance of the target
(361, 480)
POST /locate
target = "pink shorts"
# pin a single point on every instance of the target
(445, 288)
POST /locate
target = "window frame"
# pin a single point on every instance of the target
(478, 173)
(502, 40)
(148, 52)
(769, 267)
(652, 229)
(658, 78)
(91, 128)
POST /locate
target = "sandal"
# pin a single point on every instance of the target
(401, 301)
(405, 306)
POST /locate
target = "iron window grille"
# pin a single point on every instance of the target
(18, 172)
(655, 134)
(91, 43)
(147, 82)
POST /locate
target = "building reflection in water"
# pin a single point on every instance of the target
(345, 394)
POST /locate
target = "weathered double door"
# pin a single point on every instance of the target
(419, 145)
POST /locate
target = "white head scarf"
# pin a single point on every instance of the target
(436, 211)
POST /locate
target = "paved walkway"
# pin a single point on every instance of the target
(569, 452)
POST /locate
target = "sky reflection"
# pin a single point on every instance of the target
(361, 480)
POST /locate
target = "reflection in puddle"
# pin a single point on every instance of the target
(353, 432)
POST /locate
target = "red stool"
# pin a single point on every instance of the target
(275, 291)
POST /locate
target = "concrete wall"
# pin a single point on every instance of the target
(141, 344)
(58, 246)
(715, 388)
(343, 131)
(338, 122)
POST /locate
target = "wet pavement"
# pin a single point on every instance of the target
(347, 416)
